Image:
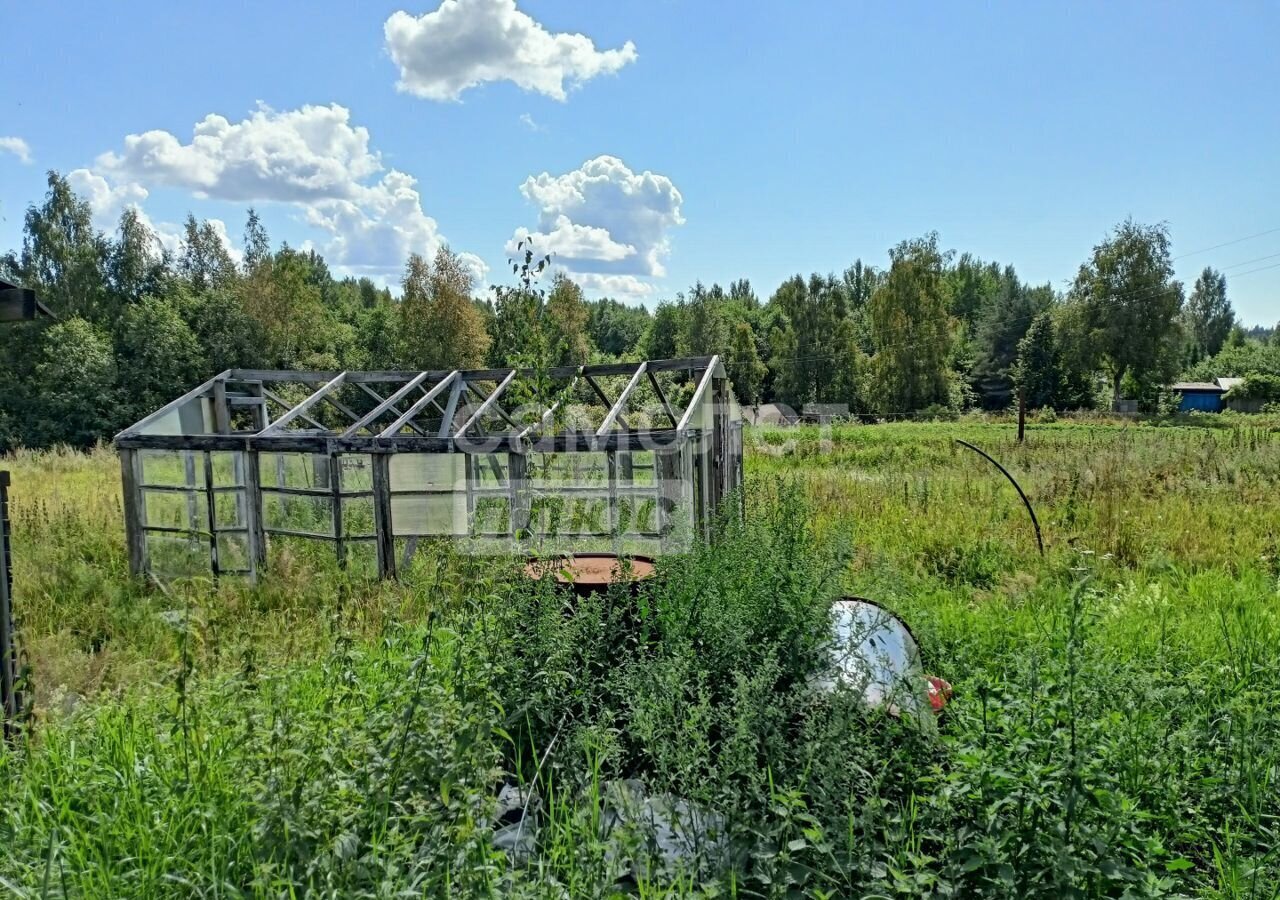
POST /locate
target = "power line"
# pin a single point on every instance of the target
(1248, 261)
(1248, 237)
(1259, 269)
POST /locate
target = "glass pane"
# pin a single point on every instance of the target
(357, 516)
(492, 516)
(313, 515)
(173, 556)
(429, 514)
(427, 472)
(356, 471)
(233, 553)
(176, 509)
(294, 470)
(229, 509)
(175, 467)
(228, 468)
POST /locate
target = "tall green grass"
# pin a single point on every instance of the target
(1115, 730)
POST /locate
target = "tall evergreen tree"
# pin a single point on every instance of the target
(1208, 316)
(1036, 373)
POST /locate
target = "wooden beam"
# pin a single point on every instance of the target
(615, 413)
(707, 377)
(257, 538)
(212, 512)
(518, 514)
(383, 525)
(335, 493)
(376, 396)
(299, 411)
(288, 407)
(420, 404)
(492, 399)
(604, 398)
(386, 404)
(190, 395)
(135, 511)
(451, 409)
(653, 380)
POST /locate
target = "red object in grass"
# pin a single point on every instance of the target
(939, 692)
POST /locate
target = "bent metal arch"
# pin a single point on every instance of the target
(625, 457)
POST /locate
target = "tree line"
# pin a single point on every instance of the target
(927, 332)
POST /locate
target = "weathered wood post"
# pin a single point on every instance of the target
(12, 702)
(383, 527)
(517, 476)
(135, 512)
(256, 535)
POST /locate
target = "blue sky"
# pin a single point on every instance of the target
(777, 138)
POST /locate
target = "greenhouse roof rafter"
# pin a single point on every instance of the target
(460, 410)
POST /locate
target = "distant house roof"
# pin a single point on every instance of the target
(770, 414)
(826, 409)
(19, 303)
(1228, 383)
(1197, 387)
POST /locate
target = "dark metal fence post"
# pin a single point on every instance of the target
(8, 649)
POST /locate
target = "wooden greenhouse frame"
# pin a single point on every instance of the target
(508, 460)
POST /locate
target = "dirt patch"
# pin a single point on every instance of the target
(591, 571)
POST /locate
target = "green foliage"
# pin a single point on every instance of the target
(911, 329)
(1208, 317)
(927, 337)
(815, 348)
(617, 329)
(1257, 387)
(1240, 361)
(1131, 304)
(155, 351)
(1114, 732)
(1004, 320)
(1037, 374)
(440, 328)
(746, 371)
(76, 379)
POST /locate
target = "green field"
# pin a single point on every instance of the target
(1115, 729)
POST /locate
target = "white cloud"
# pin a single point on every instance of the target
(478, 268)
(307, 154)
(312, 158)
(466, 43)
(603, 221)
(107, 201)
(616, 286)
(374, 232)
(17, 146)
(573, 241)
(529, 122)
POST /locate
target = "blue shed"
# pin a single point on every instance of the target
(1199, 396)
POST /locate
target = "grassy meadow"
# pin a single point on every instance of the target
(1115, 728)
